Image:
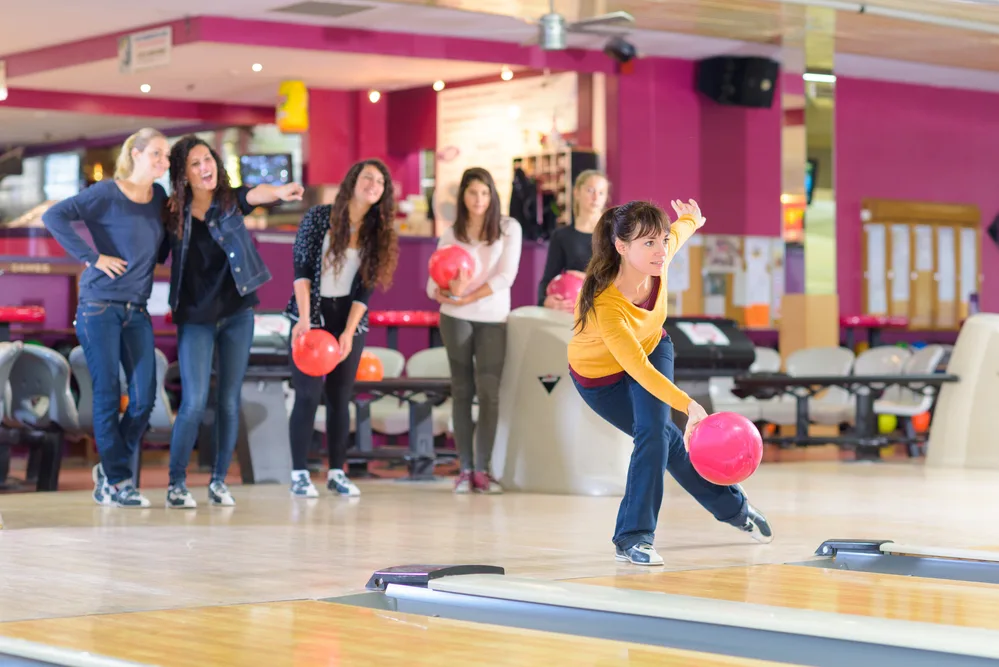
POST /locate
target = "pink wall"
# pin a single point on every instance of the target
(653, 132)
(898, 141)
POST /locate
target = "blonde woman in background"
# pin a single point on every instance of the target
(571, 247)
(125, 218)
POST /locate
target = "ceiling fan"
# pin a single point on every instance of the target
(554, 29)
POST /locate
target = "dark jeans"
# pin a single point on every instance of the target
(476, 352)
(116, 335)
(658, 448)
(196, 345)
(339, 386)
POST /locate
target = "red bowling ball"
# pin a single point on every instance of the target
(316, 352)
(726, 448)
(566, 286)
(447, 262)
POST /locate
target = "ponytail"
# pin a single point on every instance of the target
(603, 267)
(125, 164)
(634, 220)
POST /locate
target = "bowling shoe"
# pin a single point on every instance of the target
(757, 526)
(337, 482)
(640, 554)
(301, 485)
(484, 483)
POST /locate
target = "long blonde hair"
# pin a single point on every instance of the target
(125, 164)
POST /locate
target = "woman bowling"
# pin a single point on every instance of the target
(473, 322)
(621, 363)
(341, 253)
(571, 246)
(214, 277)
(125, 218)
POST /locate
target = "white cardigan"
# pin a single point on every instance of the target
(495, 264)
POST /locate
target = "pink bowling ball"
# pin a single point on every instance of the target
(565, 285)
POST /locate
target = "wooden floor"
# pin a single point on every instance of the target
(321, 633)
(64, 557)
(965, 604)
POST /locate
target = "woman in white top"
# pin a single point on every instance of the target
(474, 311)
(341, 253)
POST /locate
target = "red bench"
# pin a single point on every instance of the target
(18, 315)
(873, 323)
(393, 320)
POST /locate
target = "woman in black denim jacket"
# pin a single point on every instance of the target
(214, 275)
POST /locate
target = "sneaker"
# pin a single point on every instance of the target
(178, 497)
(464, 482)
(757, 526)
(218, 494)
(102, 491)
(484, 483)
(337, 482)
(301, 485)
(640, 554)
(126, 495)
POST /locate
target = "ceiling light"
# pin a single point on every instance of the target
(374, 96)
(257, 67)
(145, 87)
(816, 77)
(438, 86)
(506, 74)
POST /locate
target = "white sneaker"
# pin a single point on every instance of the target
(178, 497)
(301, 485)
(640, 554)
(218, 494)
(337, 482)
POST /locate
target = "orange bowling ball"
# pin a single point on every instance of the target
(370, 368)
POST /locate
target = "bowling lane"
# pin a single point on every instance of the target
(309, 633)
(966, 604)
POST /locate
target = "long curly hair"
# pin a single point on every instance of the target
(225, 195)
(634, 220)
(378, 243)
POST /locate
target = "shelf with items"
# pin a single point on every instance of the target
(554, 174)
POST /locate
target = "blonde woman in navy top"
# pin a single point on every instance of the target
(125, 219)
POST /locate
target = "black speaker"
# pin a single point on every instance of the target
(738, 81)
(993, 230)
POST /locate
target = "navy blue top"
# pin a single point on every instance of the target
(120, 228)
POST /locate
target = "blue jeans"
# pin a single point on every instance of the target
(658, 448)
(116, 335)
(196, 345)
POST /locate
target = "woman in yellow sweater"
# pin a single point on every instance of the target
(621, 362)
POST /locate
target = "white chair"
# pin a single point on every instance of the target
(883, 360)
(720, 388)
(432, 363)
(85, 384)
(389, 415)
(162, 417)
(831, 406)
(904, 402)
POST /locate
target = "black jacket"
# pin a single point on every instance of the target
(308, 258)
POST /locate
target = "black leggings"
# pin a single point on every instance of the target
(339, 386)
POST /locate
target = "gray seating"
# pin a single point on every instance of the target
(9, 352)
(43, 410)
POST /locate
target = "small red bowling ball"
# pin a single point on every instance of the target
(316, 352)
(726, 448)
(447, 262)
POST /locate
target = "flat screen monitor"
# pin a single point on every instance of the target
(265, 169)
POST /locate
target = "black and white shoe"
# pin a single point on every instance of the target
(218, 494)
(337, 482)
(126, 495)
(178, 497)
(102, 491)
(301, 485)
(757, 526)
(640, 554)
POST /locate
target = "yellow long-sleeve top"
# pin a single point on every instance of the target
(619, 335)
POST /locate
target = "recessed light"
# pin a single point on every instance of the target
(438, 86)
(374, 96)
(145, 87)
(257, 67)
(506, 73)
